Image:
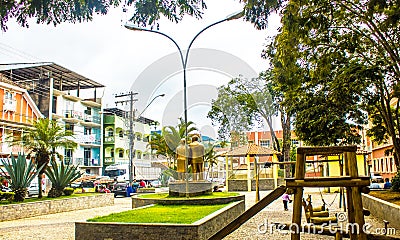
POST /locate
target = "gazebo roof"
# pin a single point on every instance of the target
(252, 150)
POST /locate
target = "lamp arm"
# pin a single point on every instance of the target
(195, 37)
(170, 38)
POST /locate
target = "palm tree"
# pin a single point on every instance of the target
(166, 143)
(42, 140)
(210, 157)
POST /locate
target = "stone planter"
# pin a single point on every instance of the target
(382, 209)
(33, 209)
(200, 230)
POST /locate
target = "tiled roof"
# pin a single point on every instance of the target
(252, 150)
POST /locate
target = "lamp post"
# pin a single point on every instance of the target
(184, 61)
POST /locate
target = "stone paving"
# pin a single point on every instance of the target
(61, 225)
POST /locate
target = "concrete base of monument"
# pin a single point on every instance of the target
(191, 188)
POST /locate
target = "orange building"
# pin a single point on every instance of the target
(17, 110)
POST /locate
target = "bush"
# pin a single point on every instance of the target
(396, 182)
(68, 191)
(7, 196)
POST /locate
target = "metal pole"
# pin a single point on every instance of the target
(132, 170)
(184, 66)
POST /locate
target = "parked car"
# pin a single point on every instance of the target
(33, 189)
(120, 189)
(155, 183)
(5, 189)
(377, 181)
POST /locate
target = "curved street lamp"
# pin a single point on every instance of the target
(184, 61)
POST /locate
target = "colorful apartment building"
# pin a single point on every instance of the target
(67, 97)
(17, 111)
(116, 143)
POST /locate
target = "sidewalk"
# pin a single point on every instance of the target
(60, 226)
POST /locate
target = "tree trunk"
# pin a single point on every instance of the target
(285, 119)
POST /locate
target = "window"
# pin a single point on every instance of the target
(87, 131)
(69, 127)
(87, 155)
(138, 137)
(121, 153)
(9, 103)
(391, 164)
(381, 165)
(374, 165)
(121, 134)
(264, 143)
(110, 132)
(112, 152)
(387, 165)
(88, 111)
(295, 142)
(139, 155)
(68, 156)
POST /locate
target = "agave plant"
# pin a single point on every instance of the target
(61, 176)
(21, 174)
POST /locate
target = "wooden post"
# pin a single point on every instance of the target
(248, 173)
(275, 170)
(257, 178)
(226, 174)
(356, 196)
(298, 195)
(350, 207)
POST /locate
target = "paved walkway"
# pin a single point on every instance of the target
(61, 225)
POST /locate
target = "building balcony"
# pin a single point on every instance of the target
(72, 116)
(109, 140)
(87, 162)
(109, 160)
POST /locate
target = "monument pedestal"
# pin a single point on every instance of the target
(195, 188)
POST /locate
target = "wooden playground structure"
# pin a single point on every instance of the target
(350, 181)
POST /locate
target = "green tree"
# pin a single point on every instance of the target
(42, 140)
(166, 143)
(210, 158)
(346, 55)
(21, 174)
(146, 12)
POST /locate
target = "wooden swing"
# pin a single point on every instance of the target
(351, 181)
(317, 215)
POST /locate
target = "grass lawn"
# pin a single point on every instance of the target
(389, 196)
(35, 199)
(181, 214)
(213, 195)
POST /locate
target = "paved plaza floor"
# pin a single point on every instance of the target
(61, 225)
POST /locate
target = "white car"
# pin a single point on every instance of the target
(33, 189)
(5, 189)
(155, 183)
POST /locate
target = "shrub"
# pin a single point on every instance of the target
(396, 182)
(7, 196)
(68, 191)
(61, 176)
(21, 173)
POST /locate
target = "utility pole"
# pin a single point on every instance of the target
(130, 101)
